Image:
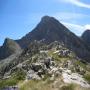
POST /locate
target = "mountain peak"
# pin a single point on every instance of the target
(48, 19)
(86, 33)
(9, 47)
(50, 29)
(7, 40)
(88, 30)
(86, 36)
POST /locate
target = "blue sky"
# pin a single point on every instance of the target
(18, 17)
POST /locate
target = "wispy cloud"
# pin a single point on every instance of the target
(69, 19)
(87, 26)
(70, 16)
(76, 28)
(77, 3)
(73, 21)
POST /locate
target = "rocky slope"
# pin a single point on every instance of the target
(9, 47)
(52, 59)
(86, 37)
(47, 65)
(49, 29)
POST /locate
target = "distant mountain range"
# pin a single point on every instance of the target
(47, 31)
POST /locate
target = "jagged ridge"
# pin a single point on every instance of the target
(49, 29)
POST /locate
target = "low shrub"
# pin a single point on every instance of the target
(68, 87)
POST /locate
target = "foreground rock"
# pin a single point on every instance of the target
(76, 78)
(39, 70)
(10, 88)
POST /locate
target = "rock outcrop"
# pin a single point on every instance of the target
(86, 37)
(9, 47)
(49, 30)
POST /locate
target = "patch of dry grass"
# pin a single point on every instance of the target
(57, 84)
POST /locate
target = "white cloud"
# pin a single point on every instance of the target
(77, 3)
(69, 19)
(74, 26)
(69, 16)
(87, 26)
(77, 29)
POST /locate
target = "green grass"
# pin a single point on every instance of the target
(32, 85)
(87, 77)
(37, 84)
(8, 82)
(50, 52)
(14, 79)
(81, 64)
(19, 74)
(68, 87)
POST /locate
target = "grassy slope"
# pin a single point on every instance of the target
(46, 84)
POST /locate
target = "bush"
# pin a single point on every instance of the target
(87, 77)
(8, 82)
(68, 87)
(19, 75)
(14, 79)
(83, 65)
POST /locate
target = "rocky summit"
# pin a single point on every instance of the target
(50, 57)
(49, 29)
(86, 37)
(9, 47)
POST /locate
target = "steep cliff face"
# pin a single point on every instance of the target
(49, 29)
(9, 47)
(86, 37)
(50, 56)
